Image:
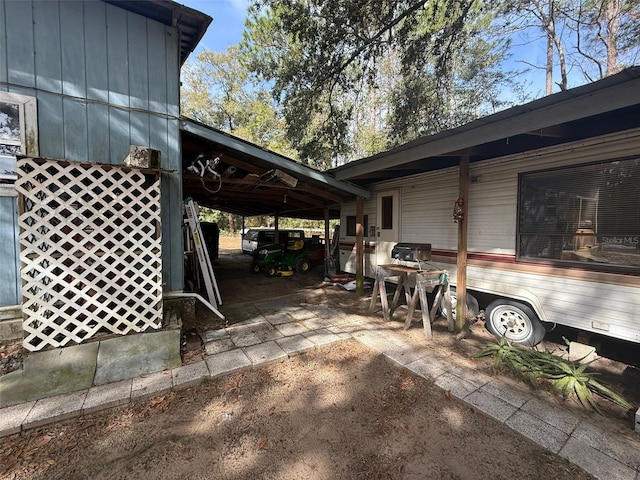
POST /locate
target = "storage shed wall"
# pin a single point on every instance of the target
(104, 79)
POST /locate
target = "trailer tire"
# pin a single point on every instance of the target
(255, 268)
(472, 304)
(270, 271)
(515, 321)
(303, 265)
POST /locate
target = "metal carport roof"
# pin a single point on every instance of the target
(256, 181)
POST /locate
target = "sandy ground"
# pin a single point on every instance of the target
(340, 412)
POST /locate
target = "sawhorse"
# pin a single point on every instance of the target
(424, 282)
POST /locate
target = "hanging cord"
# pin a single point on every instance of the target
(201, 166)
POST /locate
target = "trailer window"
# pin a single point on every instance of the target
(587, 215)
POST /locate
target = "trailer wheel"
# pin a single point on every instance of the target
(472, 304)
(254, 268)
(270, 271)
(303, 265)
(515, 321)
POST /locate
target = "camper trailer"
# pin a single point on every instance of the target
(552, 210)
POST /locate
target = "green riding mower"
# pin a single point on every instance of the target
(276, 260)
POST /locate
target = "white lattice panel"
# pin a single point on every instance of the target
(90, 241)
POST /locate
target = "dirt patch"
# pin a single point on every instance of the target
(340, 412)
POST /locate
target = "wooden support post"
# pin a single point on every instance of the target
(276, 233)
(461, 275)
(360, 246)
(327, 243)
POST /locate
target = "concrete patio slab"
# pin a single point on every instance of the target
(132, 356)
(50, 373)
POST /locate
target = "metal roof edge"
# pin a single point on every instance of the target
(196, 128)
(611, 93)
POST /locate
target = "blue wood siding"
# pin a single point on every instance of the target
(9, 252)
(105, 79)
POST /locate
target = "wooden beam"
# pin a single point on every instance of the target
(360, 246)
(461, 275)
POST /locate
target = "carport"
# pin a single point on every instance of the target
(250, 180)
(226, 173)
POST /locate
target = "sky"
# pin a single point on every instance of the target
(228, 24)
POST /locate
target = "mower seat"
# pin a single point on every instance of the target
(297, 245)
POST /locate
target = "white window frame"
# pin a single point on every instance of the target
(27, 106)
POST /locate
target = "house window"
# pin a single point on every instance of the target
(18, 135)
(18, 132)
(387, 213)
(586, 215)
(351, 225)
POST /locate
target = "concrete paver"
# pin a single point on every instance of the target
(609, 443)
(491, 405)
(295, 345)
(107, 396)
(227, 362)
(559, 418)
(322, 336)
(55, 409)
(264, 353)
(13, 417)
(595, 462)
(458, 387)
(507, 393)
(427, 368)
(540, 432)
(217, 346)
(291, 328)
(151, 385)
(189, 375)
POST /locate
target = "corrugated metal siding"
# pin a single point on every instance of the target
(126, 65)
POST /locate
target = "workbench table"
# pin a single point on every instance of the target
(423, 281)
